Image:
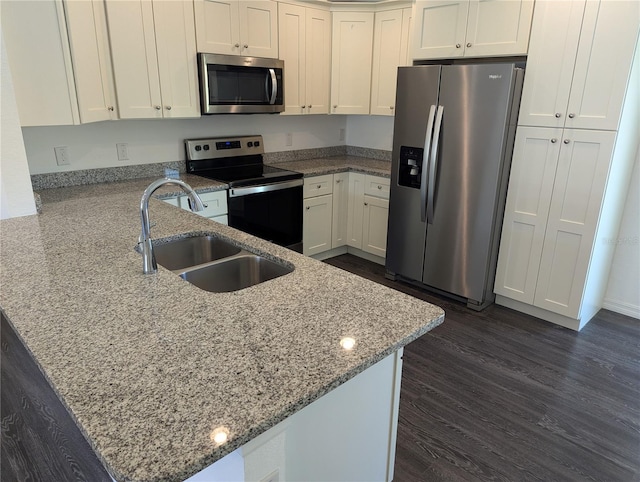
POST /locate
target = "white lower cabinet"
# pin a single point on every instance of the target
(346, 209)
(348, 434)
(216, 203)
(552, 237)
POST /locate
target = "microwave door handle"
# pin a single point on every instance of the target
(274, 86)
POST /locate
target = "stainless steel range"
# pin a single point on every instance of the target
(263, 200)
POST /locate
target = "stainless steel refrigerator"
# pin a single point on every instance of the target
(452, 145)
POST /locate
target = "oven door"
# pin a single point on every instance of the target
(271, 211)
(240, 85)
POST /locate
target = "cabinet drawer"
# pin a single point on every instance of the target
(318, 186)
(216, 203)
(377, 186)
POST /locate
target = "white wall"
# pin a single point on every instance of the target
(623, 290)
(16, 195)
(374, 132)
(93, 146)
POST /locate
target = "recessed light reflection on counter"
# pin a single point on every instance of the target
(219, 435)
(348, 343)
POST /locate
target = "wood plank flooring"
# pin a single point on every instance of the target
(496, 395)
(500, 395)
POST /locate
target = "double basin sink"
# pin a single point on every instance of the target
(213, 264)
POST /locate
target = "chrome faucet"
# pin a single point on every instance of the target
(149, 265)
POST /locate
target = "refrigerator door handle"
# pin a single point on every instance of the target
(433, 165)
(425, 163)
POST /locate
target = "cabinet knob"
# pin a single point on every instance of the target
(469, 44)
(558, 115)
(168, 107)
(458, 46)
(110, 108)
(308, 207)
(338, 181)
(554, 140)
(391, 107)
(157, 107)
(246, 46)
(335, 106)
(366, 204)
(309, 106)
(236, 45)
(572, 115)
(319, 186)
(379, 187)
(566, 141)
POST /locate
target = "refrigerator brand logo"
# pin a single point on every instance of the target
(495, 76)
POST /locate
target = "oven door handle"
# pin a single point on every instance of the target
(276, 186)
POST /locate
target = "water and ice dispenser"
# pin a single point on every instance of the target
(410, 166)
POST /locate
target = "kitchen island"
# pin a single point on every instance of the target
(150, 366)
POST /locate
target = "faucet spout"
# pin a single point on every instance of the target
(149, 265)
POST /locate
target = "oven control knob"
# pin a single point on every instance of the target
(249, 144)
(256, 143)
(198, 148)
(206, 147)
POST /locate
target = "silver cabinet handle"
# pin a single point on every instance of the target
(469, 44)
(458, 46)
(572, 115)
(157, 107)
(168, 107)
(558, 115)
(566, 141)
(554, 140)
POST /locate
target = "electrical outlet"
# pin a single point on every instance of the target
(342, 134)
(289, 139)
(123, 151)
(62, 155)
(272, 477)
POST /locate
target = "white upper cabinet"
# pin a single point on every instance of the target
(577, 70)
(471, 28)
(351, 47)
(305, 46)
(154, 58)
(389, 52)
(235, 27)
(35, 37)
(91, 55)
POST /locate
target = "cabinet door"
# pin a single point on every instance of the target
(340, 215)
(292, 45)
(498, 27)
(387, 56)
(603, 64)
(176, 50)
(316, 227)
(374, 227)
(217, 26)
(135, 64)
(406, 35)
(576, 202)
(35, 37)
(318, 61)
(91, 55)
(356, 209)
(440, 28)
(259, 28)
(352, 44)
(554, 40)
(533, 169)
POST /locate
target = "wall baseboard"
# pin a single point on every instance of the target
(622, 307)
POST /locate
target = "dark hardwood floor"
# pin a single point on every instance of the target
(499, 395)
(496, 395)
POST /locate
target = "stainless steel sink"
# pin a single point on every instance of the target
(235, 273)
(213, 264)
(186, 252)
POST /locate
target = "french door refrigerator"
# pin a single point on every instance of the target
(452, 144)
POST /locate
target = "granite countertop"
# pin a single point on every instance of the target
(332, 165)
(149, 365)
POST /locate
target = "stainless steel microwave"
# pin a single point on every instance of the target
(232, 84)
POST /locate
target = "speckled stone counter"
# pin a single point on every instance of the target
(332, 165)
(149, 365)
